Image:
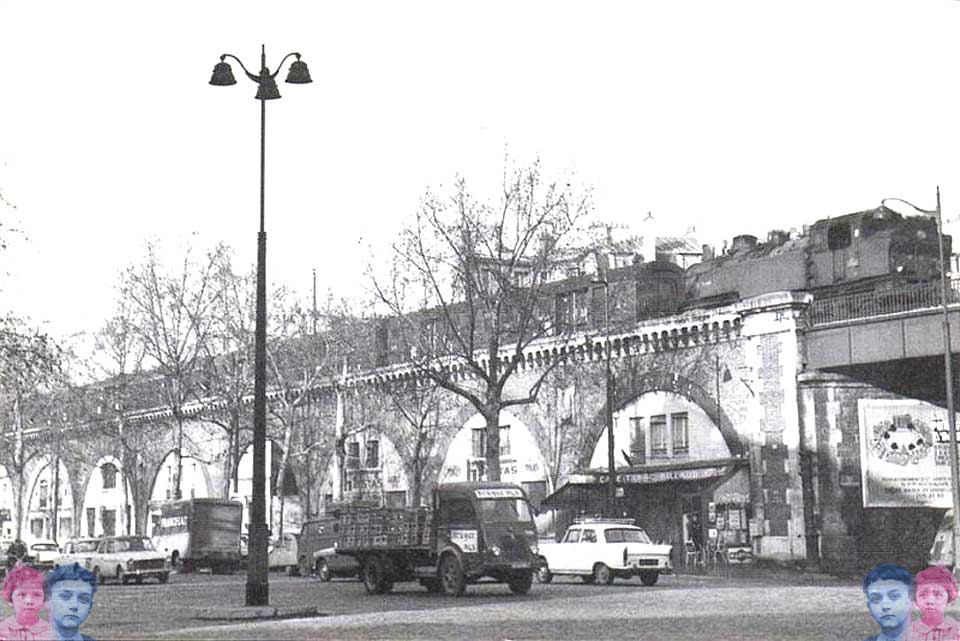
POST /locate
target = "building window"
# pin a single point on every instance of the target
(680, 430)
(108, 518)
(42, 494)
(353, 455)
(476, 471)
(504, 440)
(479, 445)
(638, 443)
(395, 499)
(109, 473)
(658, 435)
(373, 454)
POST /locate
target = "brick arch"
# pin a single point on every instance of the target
(661, 381)
(157, 466)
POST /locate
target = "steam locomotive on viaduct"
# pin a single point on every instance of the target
(873, 250)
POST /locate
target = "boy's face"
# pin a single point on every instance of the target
(889, 602)
(932, 597)
(70, 603)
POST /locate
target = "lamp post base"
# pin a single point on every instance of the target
(258, 588)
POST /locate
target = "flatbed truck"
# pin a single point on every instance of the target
(472, 531)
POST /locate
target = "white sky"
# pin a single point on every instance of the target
(735, 117)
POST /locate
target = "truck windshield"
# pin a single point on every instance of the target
(503, 510)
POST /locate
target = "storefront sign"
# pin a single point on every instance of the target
(674, 475)
(904, 455)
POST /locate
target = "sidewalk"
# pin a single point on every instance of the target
(767, 573)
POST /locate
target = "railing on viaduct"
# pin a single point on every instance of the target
(882, 301)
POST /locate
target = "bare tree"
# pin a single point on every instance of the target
(172, 314)
(421, 431)
(30, 368)
(468, 287)
(228, 360)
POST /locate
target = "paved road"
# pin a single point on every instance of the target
(685, 607)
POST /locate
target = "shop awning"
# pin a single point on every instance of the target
(586, 484)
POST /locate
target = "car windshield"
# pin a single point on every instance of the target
(626, 535)
(85, 546)
(503, 510)
(44, 547)
(133, 545)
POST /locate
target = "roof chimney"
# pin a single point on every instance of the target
(743, 242)
(706, 253)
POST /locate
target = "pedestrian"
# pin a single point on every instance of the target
(16, 552)
(889, 592)
(23, 588)
(934, 587)
(69, 590)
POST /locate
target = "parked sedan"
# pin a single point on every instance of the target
(127, 558)
(44, 554)
(600, 550)
(76, 551)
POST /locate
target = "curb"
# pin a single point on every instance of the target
(252, 613)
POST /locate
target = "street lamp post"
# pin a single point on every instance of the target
(611, 457)
(258, 589)
(947, 367)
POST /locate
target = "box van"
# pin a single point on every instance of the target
(941, 553)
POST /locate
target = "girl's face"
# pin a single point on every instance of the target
(28, 599)
(932, 597)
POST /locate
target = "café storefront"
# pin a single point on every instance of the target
(706, 503)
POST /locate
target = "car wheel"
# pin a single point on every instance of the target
(452, 579)
(544, 575)
(122, 578)
(164, 577)
(649, 578)
(323, 571)
(521, 583)
(139, 579)
(602, 574)
(96, 575)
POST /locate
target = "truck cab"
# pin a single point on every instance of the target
(488, 529)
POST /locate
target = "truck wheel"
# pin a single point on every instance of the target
(175, 560)
(292, 570)
(452, 580)
(164, 577)
(649, 578)
(544, 575)
(323, 571)
(602, 574)
(375, 578)
(186, 566)
(520, 583)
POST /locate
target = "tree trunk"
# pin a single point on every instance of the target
(179, 471)
(287, 431)
(493, 446)
(18, 465)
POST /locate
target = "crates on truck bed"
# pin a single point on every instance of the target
(383, 527)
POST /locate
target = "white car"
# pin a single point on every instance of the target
(600, 550)
(44, 553)
(128, 558)
(76, 551)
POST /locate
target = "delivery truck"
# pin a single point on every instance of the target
(471, 531)
(200, 533)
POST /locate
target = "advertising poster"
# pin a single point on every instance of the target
(904, 456)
